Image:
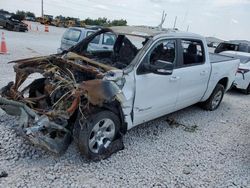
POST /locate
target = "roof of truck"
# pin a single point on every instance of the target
(145, 31)
(142, 31)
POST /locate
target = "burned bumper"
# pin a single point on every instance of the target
(38, 129)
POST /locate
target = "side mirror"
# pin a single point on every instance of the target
(160, 67)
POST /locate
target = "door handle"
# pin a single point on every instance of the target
(174, 78)
(105, 47)
(203, 73)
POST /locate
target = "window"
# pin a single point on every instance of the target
(96, 39)
(108, 39)
(2, 17)
(164, 51)
(227, 47)
(193, 52)
(72, 34)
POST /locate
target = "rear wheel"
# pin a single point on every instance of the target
(97, 133)
(215, 99)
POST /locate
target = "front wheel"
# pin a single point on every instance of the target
(213, 102)
(97, 133)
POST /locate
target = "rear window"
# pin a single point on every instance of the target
(96, 39)
(108, 39)
(193, 52)
(229, 47)
(72, 34)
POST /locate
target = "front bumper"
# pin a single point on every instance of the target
(39, 130)
(21, 28)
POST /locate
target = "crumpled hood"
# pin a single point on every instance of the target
(47, 105)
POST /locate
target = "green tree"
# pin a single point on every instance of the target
(120, 22)
(20, 15)
(30, 14)
(105, 22)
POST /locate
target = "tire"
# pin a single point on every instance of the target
(247, 90)
(213, 102)
(96, 134)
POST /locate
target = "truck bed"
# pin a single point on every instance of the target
(217, 58)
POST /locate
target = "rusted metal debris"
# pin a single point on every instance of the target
(46, 106)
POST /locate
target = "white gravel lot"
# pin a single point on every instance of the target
(215, 154)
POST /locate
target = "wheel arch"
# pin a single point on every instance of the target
(116, 108)
(224, 82)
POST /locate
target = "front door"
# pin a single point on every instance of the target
(156, 94)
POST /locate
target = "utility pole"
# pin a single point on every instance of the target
(163, 18)
(42, 8)
(187, 28)
(175, 22)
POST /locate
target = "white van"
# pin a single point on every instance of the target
(74, 35)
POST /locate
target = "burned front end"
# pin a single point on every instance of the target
(50, 93)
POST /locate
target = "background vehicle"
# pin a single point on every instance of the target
(28, 18)
(99, 95)
(242, 80)
(58, 22)
(46, 19)
(74, 35)
(232, 46)
(9, 22)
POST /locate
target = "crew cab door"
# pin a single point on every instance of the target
(156, 94)
(195, 72)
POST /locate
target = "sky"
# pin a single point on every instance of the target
(225, 19)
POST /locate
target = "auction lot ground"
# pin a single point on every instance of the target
(215, 154)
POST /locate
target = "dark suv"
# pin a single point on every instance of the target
(232, 46)
(9, 22)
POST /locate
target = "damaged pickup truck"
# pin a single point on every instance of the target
(96, 96)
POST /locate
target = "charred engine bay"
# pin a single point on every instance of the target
(70, 87)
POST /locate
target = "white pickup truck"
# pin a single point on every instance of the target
(100, 95)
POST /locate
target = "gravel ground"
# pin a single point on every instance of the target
(209, 149)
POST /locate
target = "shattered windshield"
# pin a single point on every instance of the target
(118, 54)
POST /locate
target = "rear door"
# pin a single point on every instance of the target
(195, 71)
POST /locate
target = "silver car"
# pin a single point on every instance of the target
(74, 35)
(242, 80)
